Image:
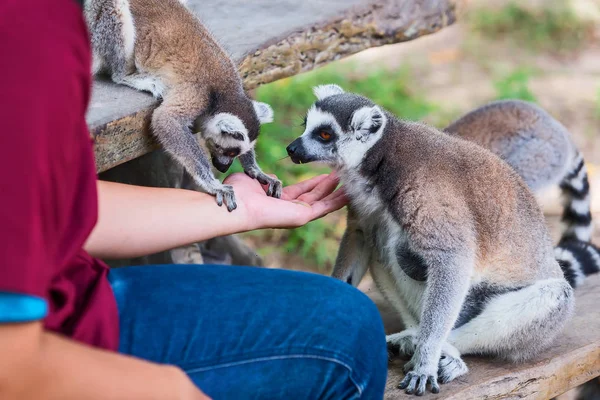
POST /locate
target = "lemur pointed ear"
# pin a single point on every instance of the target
(367, 121)
(264, 112)
(323, 91)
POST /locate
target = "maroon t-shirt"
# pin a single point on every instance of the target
(48, 178)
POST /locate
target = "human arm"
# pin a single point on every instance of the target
(37, 364)
(135, 220)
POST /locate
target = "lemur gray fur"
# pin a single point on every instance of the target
(468, 272)
(159, 46)
(540, 149)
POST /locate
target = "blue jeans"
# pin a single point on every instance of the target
(254, 333)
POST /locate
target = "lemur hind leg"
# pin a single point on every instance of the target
(519, 324)
(112, 38)
(401, 344)
(143, 82)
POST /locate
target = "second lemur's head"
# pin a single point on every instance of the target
(231, 127)
(339, 129)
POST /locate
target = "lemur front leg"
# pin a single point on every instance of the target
(353, 256)
(251, 168)
(171, 127)
(447, 285)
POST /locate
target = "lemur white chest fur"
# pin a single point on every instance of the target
(385, 239)
(453, 237)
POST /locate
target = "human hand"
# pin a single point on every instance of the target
(299, 203)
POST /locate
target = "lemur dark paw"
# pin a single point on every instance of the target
(416, 383)
(417, 377)
(274, 187)
(226, 194)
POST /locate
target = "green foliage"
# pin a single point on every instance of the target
(515, 85)
(290, 98)
(555, 28)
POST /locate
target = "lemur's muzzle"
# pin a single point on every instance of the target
(297, 152)
(222, 165)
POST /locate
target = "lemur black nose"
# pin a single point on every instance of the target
(296, 151)
(291, 149)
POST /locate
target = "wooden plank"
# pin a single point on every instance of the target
(270, 40)
(572, 360)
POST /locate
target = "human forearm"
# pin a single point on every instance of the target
(135, 221)
(37, 364)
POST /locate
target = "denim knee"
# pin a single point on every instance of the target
(365, 338)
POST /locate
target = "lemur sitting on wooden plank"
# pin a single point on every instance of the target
(452, 235)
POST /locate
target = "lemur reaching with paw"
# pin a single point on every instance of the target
(159, 46)
(452, 235)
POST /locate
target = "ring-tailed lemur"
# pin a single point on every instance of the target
(159, 46)
(540, 149)
(453, 237)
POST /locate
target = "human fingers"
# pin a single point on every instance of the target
(293, 191)
(323, 189)
(323, 207)
(336, 194)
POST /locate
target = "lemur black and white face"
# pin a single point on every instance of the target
(339, 129)
(227, 137)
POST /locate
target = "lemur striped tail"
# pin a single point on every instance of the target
(575, 189)
(577, 259)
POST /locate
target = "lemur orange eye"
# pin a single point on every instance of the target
(230, 154)
(325, 135)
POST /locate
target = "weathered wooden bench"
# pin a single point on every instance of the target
(271, 40)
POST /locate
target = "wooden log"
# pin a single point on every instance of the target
(269, 40)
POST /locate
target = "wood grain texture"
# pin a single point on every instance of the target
(269, 40)
(573, 359)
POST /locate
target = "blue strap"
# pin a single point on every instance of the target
(17, 307)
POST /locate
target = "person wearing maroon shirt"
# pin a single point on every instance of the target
(72, 329)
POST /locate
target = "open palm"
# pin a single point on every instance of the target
(299, 204)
